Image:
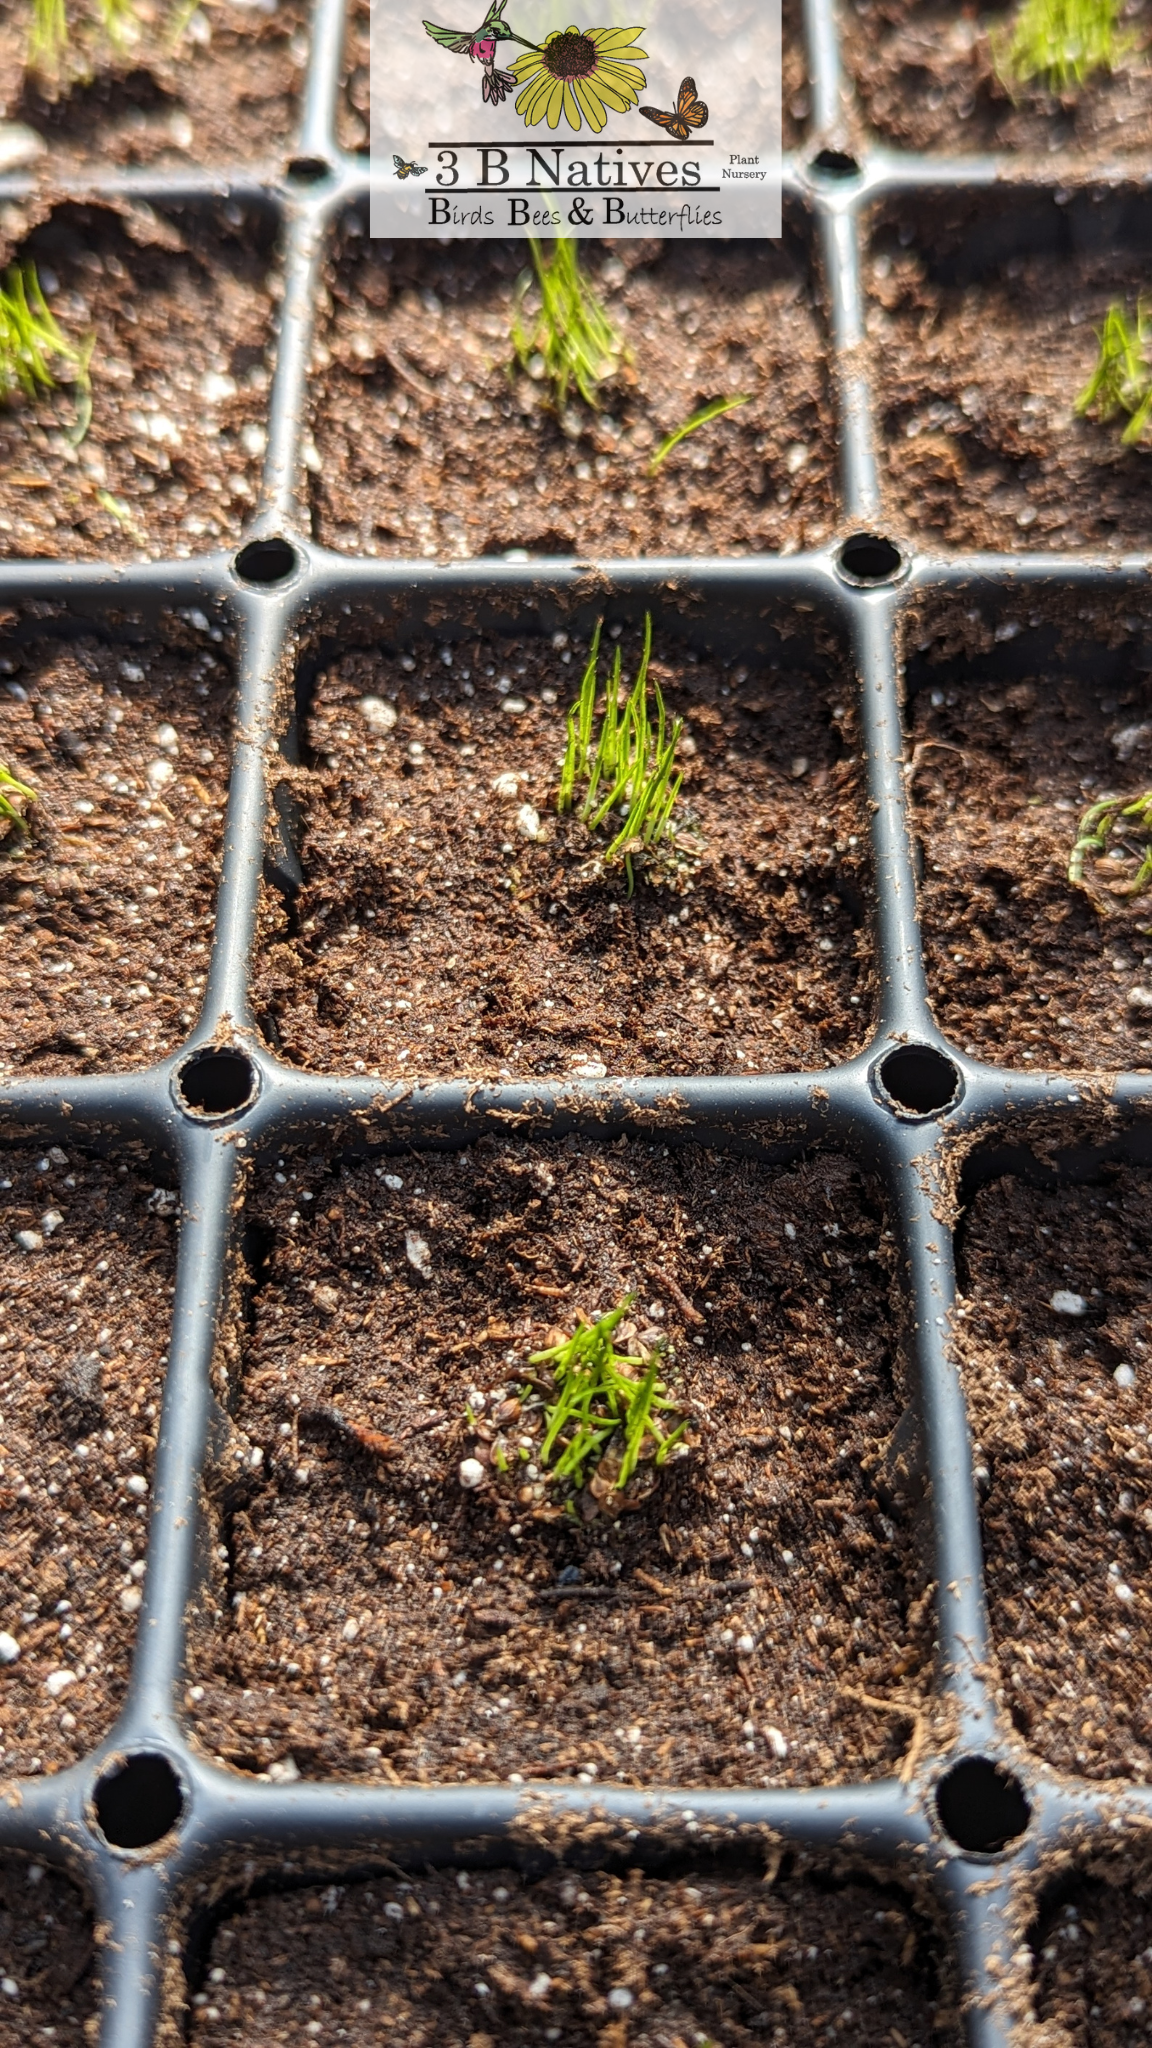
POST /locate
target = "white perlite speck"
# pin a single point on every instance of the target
(9, 1648)
(620, 1998)
(471, 1474)
(378, 713)
(58, 1682)
(1066, 1303)
(776, 1743)
(418, 1254)
(29, 1240)
(507, 785)
(1124, 1377)
(528, 822)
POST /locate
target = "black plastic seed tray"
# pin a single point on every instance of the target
(146, 1820)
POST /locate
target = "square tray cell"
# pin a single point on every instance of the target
(224, 92)
(1023, 968)
(983, 332)
(371, 1614)
(106, 898)
(432, 934)
(426, 448)
(926, 79)
(46, 1948)
(181, 315)
(1093, 1972)
(600, 1962)
(86, 1271)
(1055, 1344)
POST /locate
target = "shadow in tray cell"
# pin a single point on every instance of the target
(46, 1941)
(1093, 1968)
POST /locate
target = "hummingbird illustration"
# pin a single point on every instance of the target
(480, 45)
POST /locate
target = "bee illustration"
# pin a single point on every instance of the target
(690, 113)
(404, 170)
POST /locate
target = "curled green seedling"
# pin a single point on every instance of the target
(605, 1413)
(1121, 382)
(1120, 827)
(569, 340)
(714, 410)
(31, 338)
(629, 766)
(10, 813)
(1059, 44)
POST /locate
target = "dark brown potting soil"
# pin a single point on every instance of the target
(926, 77)
(433, 937)
(745, 1618)
(976, 384)
(224, 93)
(1094, 1964)
(86, 1266)
(107, 896)
(1023, 968)
(424, 447)
(1067, 1511)
(181, 315)
(46, 1978)
(619, 1962)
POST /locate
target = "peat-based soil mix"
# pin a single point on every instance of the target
(467, 1961)
(743, 1617)
(926, 78)
(977, 375)
(181, 312)
(1054, 1307)
(224, 90)
(86, 1269)
(1024, 968)
(424, 445)
(107, 894)
(46, 1958)
(433, 936)
(1094, 1964)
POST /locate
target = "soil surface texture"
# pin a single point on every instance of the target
(181, 316)
(1094, 1966)
(744, 1620)
(224, 92)
(107, 895)
(976, 383)
(433, 937)
(1054, 1305)
(425, 447)
(86, 1266)
(597, 1961)
(46, 1953)
(1023, 968)
(926, 78)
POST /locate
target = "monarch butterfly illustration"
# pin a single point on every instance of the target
(404, 170)
(690, 113)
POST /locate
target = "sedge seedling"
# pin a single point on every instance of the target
(569, 340)
(629, 766)
(1119, 825)
(714, 410)
(54, 25)
(1060, 43)
(1121, 383)
(31, 338)
(9, 812)
(604, 1397)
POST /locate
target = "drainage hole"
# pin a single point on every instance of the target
(836, 163)
(919, 1078)
(138, 1802)
(217, 1081)
(870, 558)
(982, 1806)
(266, 561)
(308, 170)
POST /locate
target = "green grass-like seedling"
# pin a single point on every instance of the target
(603, 1394)
(1122, 380)
(54, 23)
(571, 334)
(714, 410)
(29, 336)
(1105, 826)
(631, 765)
(1061, 43)
(8, 810)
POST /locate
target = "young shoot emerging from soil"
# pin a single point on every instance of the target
(1122, 380)
(570, 340)
(1115, 830)
(631, 769)
(714, 410)
(1059, 44)
(29, 337)
(12, 813)
(66, 38)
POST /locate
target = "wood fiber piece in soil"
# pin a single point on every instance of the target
(107, 898)
(83, 1327)
(1023, 969)
(926, 79)
(426, 448)
(977, 379)
(368, 1616)
(182, 318)
(470, 1960)
(431, 937)
(1094, 1965)
(226, 93)
(46, 1947)
(1067, 1513)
